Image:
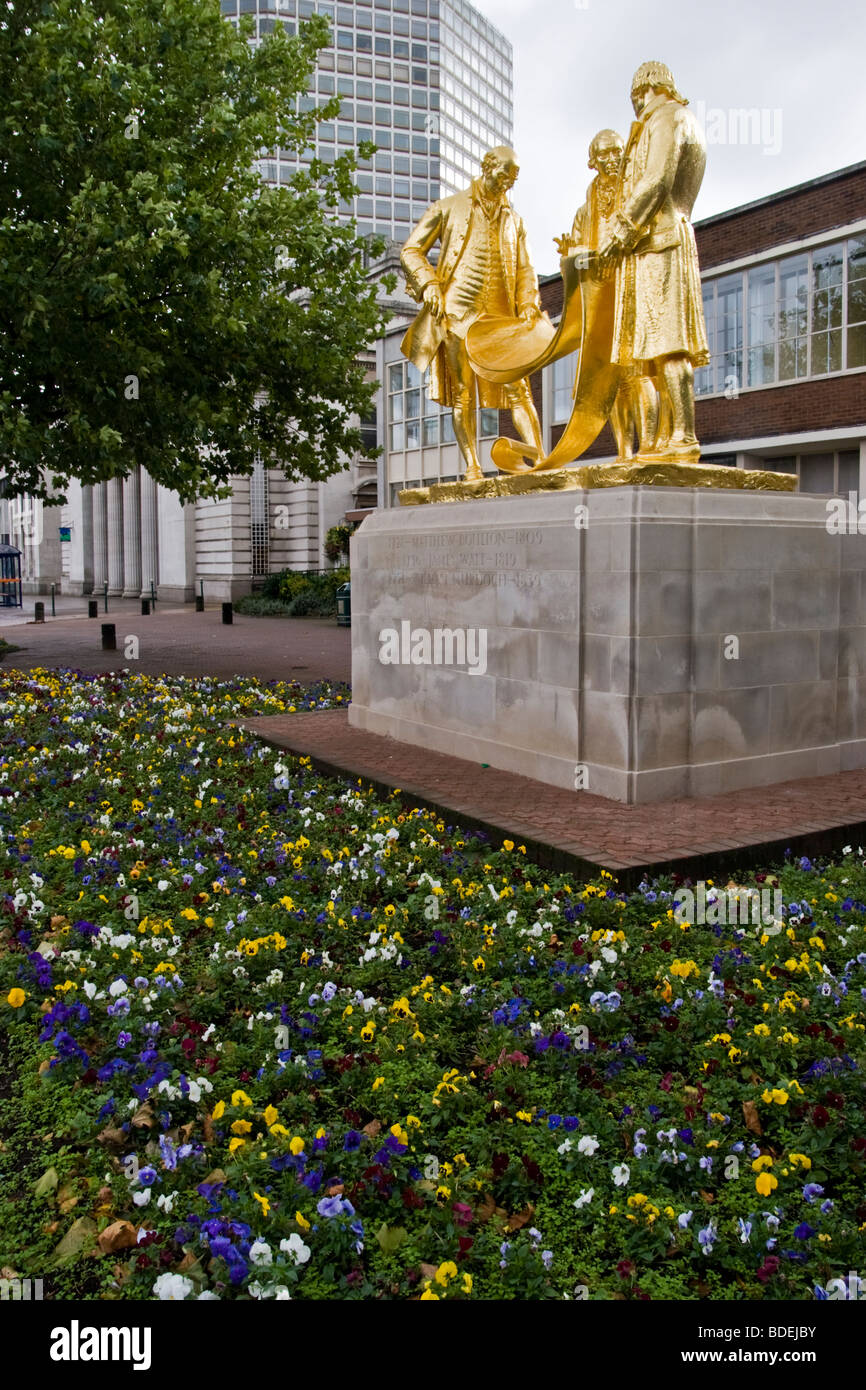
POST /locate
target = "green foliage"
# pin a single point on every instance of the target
(162, 307)
(311, 594)
(260, 606)
(295, 594)
(337, 540)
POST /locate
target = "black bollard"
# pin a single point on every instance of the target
(227, 613)
(145, 607)
(109, 637)
(199, 603)
(39, 612)
(92, 608)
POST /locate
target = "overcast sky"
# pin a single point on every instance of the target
(800, 63)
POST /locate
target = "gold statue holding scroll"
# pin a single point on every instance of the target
(632, 298)
(484, 270)
(635, 407)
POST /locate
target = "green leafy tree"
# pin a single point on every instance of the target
(161, 306)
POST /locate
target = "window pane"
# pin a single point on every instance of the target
(849, 471)
(489, 424)
(826, 352)
(395, 377)
(857, 346)
(793, 359)
(857, 302)
(413, 435)
(793, 316)
(397, 406)
(762, 325)
(827, 266)
(447, 428)
(563, 383)
(396, 436)
(703, 376)
(413, 404)
(827, 299)
(431, 429)
(729, 332)
(762, 290)
(816, 473)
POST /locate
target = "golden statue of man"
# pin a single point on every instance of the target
(635, 408)
(484, 268)
(659, 321)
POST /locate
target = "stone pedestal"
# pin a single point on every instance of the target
(642, 643)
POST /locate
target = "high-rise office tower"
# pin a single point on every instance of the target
(430, 81)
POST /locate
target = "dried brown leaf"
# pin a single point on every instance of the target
(486, 1210)
(120, 1235)
(112, 1139)
(521, 1218)
(750, 1115)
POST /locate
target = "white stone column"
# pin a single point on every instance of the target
(149, 535)
(114, 508)
(100, 544)
(131, 537)
(176, 547)
(79, 579)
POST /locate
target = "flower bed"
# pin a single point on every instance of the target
(276, 1036)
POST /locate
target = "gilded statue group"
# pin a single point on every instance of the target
(632, 306)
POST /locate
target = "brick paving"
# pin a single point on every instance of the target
(694, 836)
(181, 642)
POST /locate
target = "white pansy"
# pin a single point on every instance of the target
(295, 1247)
(173, 1286)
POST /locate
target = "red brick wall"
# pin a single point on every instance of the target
(804, 212)
(832, 403)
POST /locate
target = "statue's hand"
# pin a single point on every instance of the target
(608, 254)
(562, 243)
(435, 301)
(529, 315)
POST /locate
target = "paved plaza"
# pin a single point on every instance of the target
(180, 642)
